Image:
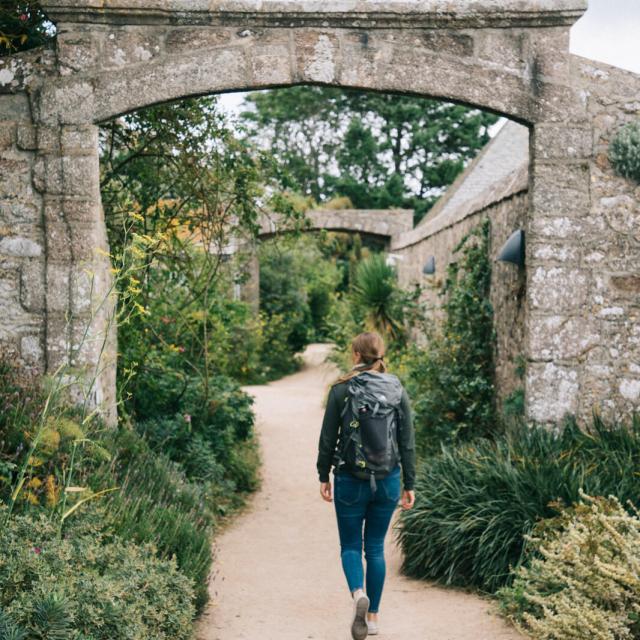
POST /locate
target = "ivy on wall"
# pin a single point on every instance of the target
(451, 380)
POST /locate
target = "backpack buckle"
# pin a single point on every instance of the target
(354, 424)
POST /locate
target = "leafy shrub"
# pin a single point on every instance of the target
(624, 151)
(450, 380)
(475, 502)
(583, 578)
(297, 285)
(157, 504)
(88, 586)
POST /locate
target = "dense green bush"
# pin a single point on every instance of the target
(90, 585)
(476, 502)
(157, 503)
(297, 286)
(624, 151)
(583, 576)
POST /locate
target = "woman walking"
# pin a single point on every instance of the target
(367, 436)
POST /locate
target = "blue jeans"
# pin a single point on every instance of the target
(356, 505)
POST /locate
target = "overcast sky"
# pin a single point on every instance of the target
(609, 32)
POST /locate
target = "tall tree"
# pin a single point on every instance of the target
(380, 150)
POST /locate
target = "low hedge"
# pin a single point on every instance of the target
(88, 585)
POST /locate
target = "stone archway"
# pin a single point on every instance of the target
(115, 56)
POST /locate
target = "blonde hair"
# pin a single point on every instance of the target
(370, 346)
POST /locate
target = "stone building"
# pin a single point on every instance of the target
(580, 333)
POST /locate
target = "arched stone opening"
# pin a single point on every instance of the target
(511, 58)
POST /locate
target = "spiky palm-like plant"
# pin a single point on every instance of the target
(376, 291)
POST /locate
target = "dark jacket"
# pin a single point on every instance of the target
(330, 436)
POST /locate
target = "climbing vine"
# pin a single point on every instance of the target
(451, 380)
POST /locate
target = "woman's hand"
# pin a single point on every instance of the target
(325, 491)
(408, 498)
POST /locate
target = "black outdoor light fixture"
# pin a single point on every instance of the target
(513, 249)
(429, 266)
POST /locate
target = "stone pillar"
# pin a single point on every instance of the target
(560, 332)
(22, 240)
(80, 298)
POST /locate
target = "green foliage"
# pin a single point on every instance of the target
(378, 150)
(297, 286)
(89, 585)
(23, 25)
(157, 504)
(583, 575)
(451, 380)
(624, 151)
(476, 501)
(375, 292)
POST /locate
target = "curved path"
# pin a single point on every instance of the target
(277, 566)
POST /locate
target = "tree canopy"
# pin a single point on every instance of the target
(380, 150)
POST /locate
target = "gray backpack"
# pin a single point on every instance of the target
(370, 420)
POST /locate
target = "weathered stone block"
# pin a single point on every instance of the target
(454, 43)
(561, 188)
(187, 39)
(57, 292)
(317, 56)
(15, 179)
(554, 252)
(26, 137)
(561, 141)
(7, 134)
(79, 140)
(551, 391)
(271, 65)
(560, 337)
(31, 350)
(20, 247)
(32, 283)
(78, 50)
(47, 174)
(81, 176)
(504, 49)
(14, 212)
(124, 47)
(558, 288)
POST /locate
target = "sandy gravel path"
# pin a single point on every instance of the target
(278, 573)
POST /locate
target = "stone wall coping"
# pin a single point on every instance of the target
(326, 13)
(516, 182)
(381, 222)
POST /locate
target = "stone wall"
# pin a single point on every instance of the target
(505, 204)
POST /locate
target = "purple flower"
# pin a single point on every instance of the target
(37, 550)
(187, 418)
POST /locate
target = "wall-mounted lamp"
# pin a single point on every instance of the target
(513, 249)
(429, 266)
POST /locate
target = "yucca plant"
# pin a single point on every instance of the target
(51, 620)
(476, 502)
(9, 630)
(376, 291)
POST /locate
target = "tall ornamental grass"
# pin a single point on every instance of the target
(476, 502)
